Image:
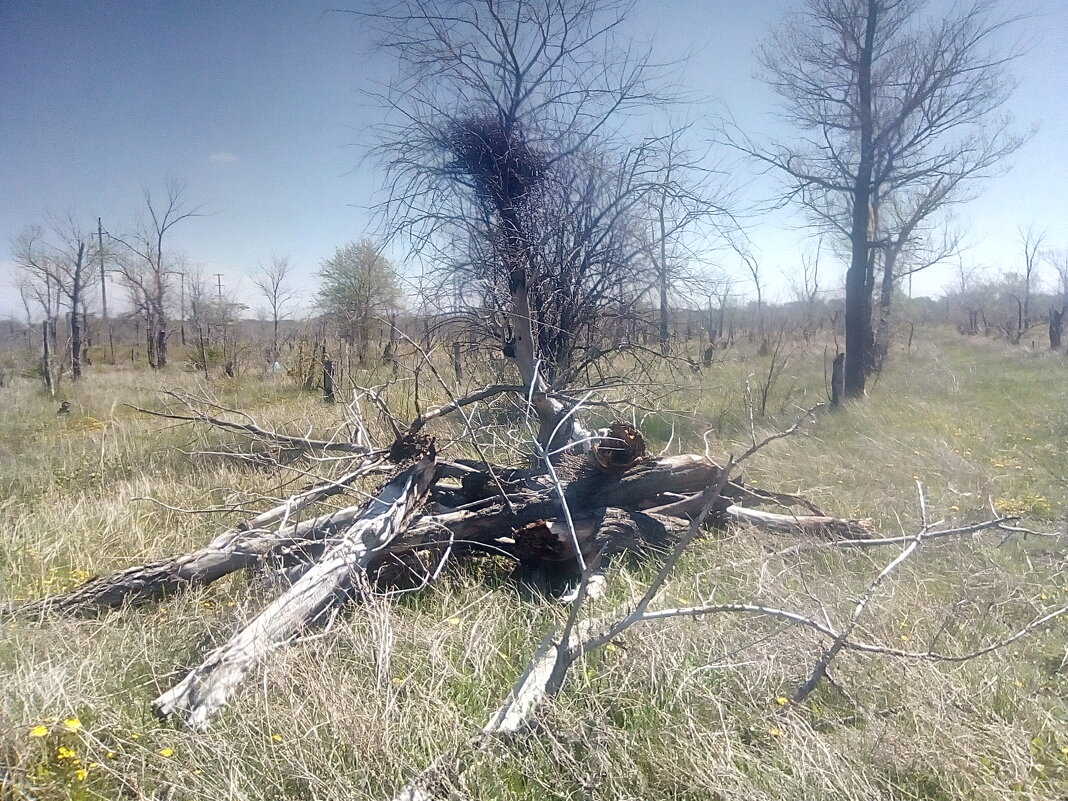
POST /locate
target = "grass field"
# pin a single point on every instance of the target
(690, 709)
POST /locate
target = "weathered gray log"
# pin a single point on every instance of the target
(817, 525)
(824, 526)
(246, 545)
(329, 581)
(600, 503)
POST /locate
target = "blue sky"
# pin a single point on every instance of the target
(258, 108)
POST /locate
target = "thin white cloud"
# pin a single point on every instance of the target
(224, 157)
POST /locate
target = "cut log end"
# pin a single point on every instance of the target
(619, 448)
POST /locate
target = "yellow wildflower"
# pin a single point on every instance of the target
(166, 752)
(610, 647)
(454, 621)
(72, 724)
(782, 700)
(276, 738)
(775, 731)
(81, 773)
(39, 731)
(65, 753)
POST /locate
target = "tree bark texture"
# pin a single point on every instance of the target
(858, 333)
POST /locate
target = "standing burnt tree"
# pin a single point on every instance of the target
(897, 110)
(147, 271)
(61, 265)
(1059, 260)
(273, 284)
(506, 168)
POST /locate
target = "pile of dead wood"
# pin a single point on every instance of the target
(555, 525)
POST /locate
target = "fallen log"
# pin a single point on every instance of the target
(822, 526)
(329, 580)
(527, 525)
(590, 507)
(833, 528)
(246, 545)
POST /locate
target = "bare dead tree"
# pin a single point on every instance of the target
(1031, 241)
(273, 282)
(915, 248)
(805, 284)
(63, 265)
(1059, 262)
(501, 168)
(147, 270)
(751, 263)
(200, 312)
(687, 213)
(33, 289)
(895, 108)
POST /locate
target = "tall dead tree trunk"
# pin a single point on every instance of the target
(662, 279)
(838, 380)
(76, 304)
(328, 379)
(858, 333)
(46, 357)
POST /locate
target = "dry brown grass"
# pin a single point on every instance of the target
(685, 709)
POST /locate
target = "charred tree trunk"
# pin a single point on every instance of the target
(838, 380)
(858, 333)
(76, 324)
(328, 380)
(46, 358)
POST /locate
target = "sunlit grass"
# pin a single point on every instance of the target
(686, 709)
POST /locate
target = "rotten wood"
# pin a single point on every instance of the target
(612, 512)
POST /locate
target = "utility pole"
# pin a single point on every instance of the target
(227, 367)
(182, 304)
(103, 283)
(104, 288)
